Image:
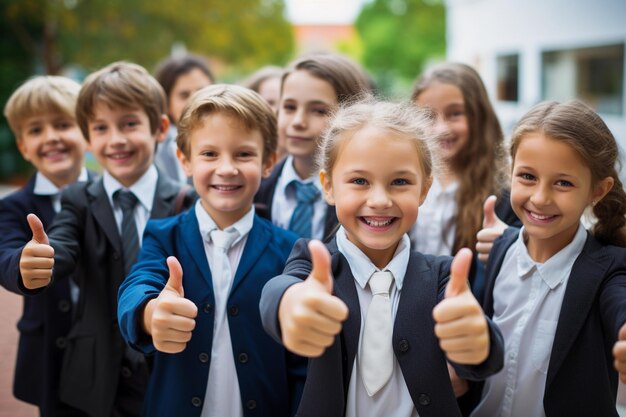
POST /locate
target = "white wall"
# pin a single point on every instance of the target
(480, 30)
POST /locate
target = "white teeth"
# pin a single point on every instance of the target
(119, 155)
(376, 223)
(540, 216)
(226, 187)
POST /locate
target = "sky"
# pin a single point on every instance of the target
(323, 11)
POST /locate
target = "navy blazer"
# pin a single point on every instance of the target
(270, 378)
(415, 344)
(581, 379)
(264, 198)
(86, 241)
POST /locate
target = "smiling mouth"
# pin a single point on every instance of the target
(226, 187)
(447, 143)
(53, 153)
(377, 222)
(120, 155)
(542, 218)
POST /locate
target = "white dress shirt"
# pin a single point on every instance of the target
(527, 303)
(222, 397)
(284, 201)
(433, 232)
(144, 189)
(393, 399)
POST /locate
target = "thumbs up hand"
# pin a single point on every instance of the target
(493, 227)
(37, 258)
(309, 315)
(170, 318)
(619, 353)
(460, 322)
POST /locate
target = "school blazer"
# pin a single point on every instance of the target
(415, 344)
(86, 241)
(270, 378)
(264, 198)
(46, 317)
(581, 379)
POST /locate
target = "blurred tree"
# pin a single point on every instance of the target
(400, 36)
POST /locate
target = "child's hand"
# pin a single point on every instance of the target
(309, 315)
(619, 352)
(37, 257)
(170, 318)
(461, 325)
(493, 227)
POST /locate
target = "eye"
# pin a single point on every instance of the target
(98, 128)
(289, 107)
(209, 154)
(246, 154)
(359, 181)
(320, 111)
(526, 176)
(130, 124)
(35, 130)
(400, 181)
(564, 183)
(64, 125)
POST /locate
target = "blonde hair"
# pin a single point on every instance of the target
(401, 118)
(578, 126)
(41, 94)
(239, 102)
(481, 165)
(121, 85)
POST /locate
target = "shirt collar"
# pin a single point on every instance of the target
(43, 185)
(362, 267)
(207, 224)
(144, 188)
(556, 269)
(437, 189)
(289, 174)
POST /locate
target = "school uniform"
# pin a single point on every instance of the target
(275, 201)
(46, 317)
(268, 379)
(330, 386)
(86, 239)
(578, 374)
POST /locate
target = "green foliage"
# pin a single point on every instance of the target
(400, 37)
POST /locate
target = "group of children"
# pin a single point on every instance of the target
(143, 298)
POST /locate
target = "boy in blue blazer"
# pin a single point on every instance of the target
(198, 312)
(41, 114)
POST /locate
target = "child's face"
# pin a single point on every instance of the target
(270, 91)
(376, 185)
(226, 163)
(446, 100)
(304, 111)
(52, 142)
(122, 141)
(551, 187)
(185, 85)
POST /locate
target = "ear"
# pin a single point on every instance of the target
(184, 161)
(601, 189)
(428, 182)
(269, 163)
(327, 186)
(21, 146)
(161, 132)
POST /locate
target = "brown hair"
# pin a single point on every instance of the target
(347, 78)
(481, 164)
(121, 85)
(41, 94)
(239, 102)
(254, 81)
(578, 126)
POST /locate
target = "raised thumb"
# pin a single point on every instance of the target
(320, 257)
(459, 272)
(490, 218)
(175, 281)
(39, 235)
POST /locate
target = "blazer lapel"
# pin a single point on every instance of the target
(496, 258)
(103, 213)
(584, 280)
(258, 239)
(164, 197)
(195, 246)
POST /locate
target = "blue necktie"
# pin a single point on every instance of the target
(130, 239)
(302, 217)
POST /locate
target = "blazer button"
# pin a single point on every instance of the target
(126, 372)
(61, 342)
(64, 306)
(243, 357)
(423, 399)
(203, 357)
(196, 401)
(207, 308)
(403, 345)
(233, 310)
(251, 404)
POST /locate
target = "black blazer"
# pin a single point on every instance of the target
(581, 379)
(85, 239)
(265, 196)
(46, 317)
(415, 344)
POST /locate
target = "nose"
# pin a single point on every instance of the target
(51, 134)
(378, 198)
(116, 136)
(227, 167)
(299, 119)
(541, 196)
(441, 125)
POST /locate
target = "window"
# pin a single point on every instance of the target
(594, 75)
(508, 78)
